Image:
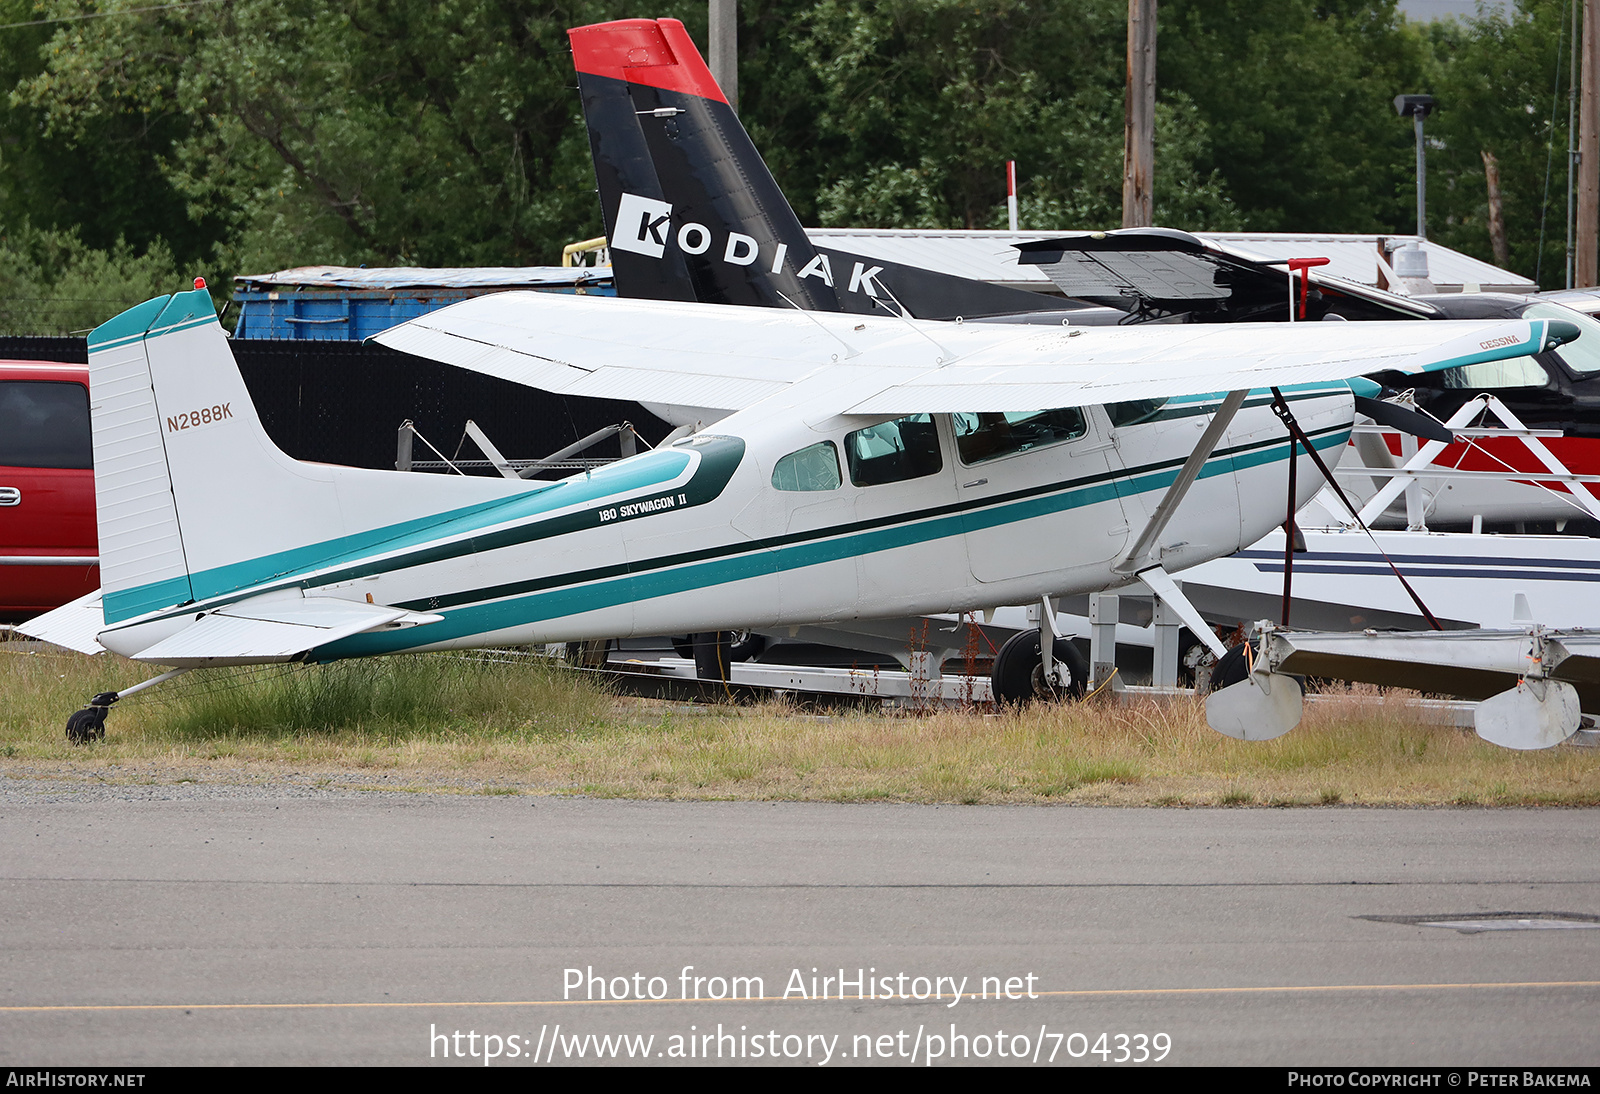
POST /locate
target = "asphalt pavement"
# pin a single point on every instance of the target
(160, 925)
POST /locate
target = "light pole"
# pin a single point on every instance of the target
(1417, 107)
(1415, 261)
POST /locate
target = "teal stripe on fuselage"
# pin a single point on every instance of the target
(653, 469)
(127, 603)
(667, 576)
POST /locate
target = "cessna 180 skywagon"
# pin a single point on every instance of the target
(867, 466)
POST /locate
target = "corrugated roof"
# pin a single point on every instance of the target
(418, 277)
(990, 256)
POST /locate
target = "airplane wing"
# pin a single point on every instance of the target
(728, 358)
(1162, 271)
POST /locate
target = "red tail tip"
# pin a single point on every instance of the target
(199, 282)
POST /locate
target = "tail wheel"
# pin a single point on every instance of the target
(1018, 675)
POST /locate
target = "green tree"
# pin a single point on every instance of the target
(902, 113)
(51, 282)
(1295, 97)
(398, 132)
(1502, 88)
(103, 184)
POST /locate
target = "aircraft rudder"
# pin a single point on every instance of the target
(656, 52)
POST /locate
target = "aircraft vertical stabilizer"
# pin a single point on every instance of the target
(142, 564)
(691, 211)
(194, 499)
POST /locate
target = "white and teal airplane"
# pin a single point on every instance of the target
(866, 466)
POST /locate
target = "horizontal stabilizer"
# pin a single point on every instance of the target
(72, 626)
(274, 628)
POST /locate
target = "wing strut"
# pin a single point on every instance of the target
(1160, 582)
(1180, 486)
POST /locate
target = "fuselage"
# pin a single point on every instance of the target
(775, 517)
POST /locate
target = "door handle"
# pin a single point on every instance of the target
(10, 495)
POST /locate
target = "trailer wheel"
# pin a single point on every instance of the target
(746, 646)
(1018, 675)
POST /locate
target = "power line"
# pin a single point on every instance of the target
(106, 14)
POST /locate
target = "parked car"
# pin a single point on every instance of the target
(48, 549)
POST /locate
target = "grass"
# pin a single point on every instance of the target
(447, 723)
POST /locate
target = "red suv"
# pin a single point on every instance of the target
(48, 552)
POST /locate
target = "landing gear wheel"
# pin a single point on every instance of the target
(89, 724)
(1018, 675)
(711, 660)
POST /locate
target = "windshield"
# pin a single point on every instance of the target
(1581, 356)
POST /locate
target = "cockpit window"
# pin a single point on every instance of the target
(989, 436)
(906, 448)
(1582, 356)
(815, 467)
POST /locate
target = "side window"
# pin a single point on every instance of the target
(44, 423)
(988, 436)
(815, 467)
(906, 448)
(1514, 372)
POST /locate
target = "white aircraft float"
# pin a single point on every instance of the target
(867, 466)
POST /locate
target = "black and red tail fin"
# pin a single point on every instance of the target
(691, 211)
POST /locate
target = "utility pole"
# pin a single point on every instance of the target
(725, 48)
(1588, 233)
(1572, 138)
(1139, 131)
